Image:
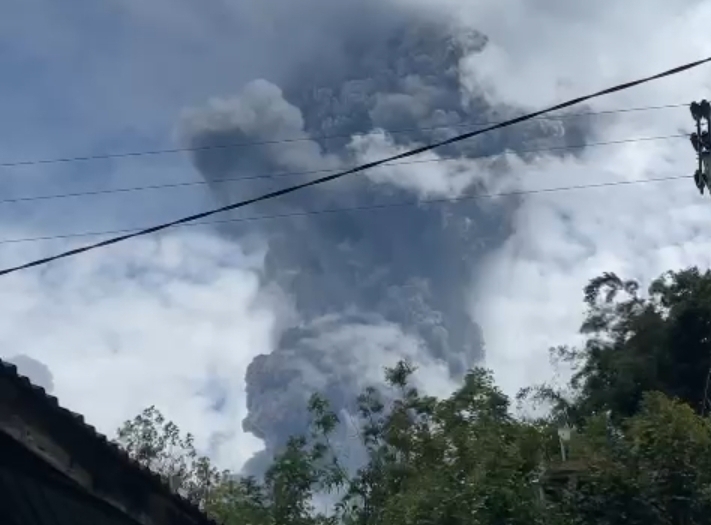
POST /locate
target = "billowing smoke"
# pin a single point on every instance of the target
(366, 287)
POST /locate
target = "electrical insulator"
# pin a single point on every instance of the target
(695, 111)
(705, 109)
(695, 142)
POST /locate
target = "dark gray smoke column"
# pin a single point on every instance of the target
(372, 286)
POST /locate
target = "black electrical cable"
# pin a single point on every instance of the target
(321, 180)
(198, 183)
(369, 207)
(169, 151)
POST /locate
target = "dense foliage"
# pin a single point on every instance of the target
(639, 451)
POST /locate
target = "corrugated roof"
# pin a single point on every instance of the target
(160, 485)
(37, 495)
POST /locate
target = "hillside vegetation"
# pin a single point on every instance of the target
(639, 447)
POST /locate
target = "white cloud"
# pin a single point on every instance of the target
(162, 321)
(529, 296)
(426, 174)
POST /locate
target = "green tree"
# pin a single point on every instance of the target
(640, 450)
(463, 459)
(637, 344)
(157, 444)
(652, 469)
(460, 460)
(283, 497)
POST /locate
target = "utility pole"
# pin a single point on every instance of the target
(701, 142)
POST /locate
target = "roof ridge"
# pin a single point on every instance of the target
(10, 370)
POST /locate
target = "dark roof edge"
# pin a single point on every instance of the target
(160, 485)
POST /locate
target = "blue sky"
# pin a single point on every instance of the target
(175, 321)
(85, 79)
(88, 79)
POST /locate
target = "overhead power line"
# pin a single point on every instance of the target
(198, 183)
(369, 207)
(363, 167)
(170, 151)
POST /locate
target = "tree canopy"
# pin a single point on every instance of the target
(639, 450)
(659, 342)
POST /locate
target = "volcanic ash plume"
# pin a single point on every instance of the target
(367, 287)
